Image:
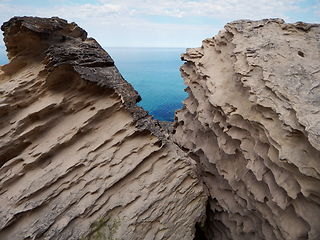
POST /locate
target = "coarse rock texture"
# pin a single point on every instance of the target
(76, 150)
(252, 122)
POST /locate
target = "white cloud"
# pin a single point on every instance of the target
(222, 9)
(136, 22)
(316, 10)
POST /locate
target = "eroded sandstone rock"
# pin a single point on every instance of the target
(252, 122)
(75, 149)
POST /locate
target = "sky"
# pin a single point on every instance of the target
(159, 23)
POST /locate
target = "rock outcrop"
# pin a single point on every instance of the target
(252, 123)
(80, 160)
(78, 157)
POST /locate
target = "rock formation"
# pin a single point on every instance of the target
(76, 152)
(80, 160)
(252, 123)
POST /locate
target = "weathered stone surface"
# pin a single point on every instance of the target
(252, 122)
(75, 148)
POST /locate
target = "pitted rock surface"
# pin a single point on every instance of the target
(252, 122)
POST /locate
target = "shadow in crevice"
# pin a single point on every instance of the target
(201, 229)
(199, 235)
(208, 230)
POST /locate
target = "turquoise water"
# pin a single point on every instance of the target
(153, 72)
(3, 55)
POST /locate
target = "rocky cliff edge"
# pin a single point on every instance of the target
(76, 151)
(252, 122)
(78, 158)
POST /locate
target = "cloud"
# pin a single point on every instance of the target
(212, 9)
(131, 10)
(316, 10)
(157, 22)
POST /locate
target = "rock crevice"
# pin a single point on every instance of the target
(242, 161)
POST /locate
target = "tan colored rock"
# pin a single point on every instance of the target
(252, 122)
(75, 149)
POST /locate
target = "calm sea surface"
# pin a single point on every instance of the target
(153, 72)
(3, 55)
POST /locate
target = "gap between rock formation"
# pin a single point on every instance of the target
(241, 162)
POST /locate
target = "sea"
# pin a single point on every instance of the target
(153, 72)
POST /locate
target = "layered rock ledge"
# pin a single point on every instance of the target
(76, 150)
(77, 154)
(252, 123)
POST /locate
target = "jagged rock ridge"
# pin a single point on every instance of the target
(76, 149)
(252, 122)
